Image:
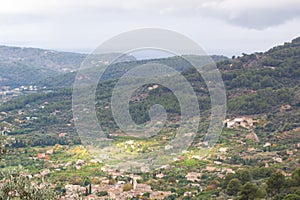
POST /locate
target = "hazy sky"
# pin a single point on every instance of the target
(227, 27)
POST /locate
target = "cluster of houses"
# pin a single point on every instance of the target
(105, 189)
(117, 190)
(245, 122)
(153, 87)
(5, 127)
(6, 92)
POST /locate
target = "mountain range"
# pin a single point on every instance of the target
(260, 135)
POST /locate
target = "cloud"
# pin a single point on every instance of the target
(254, 14)
(222, 26)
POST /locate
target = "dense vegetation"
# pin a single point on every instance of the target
(32, 66)
(15, 183)
(18, 74)
(264, 86)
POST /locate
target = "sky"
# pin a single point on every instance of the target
(227, 27)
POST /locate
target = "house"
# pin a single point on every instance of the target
(73, 192)
(267, 144)
(223, 149)
(188, 194)
(107, 169)
(47, 157)
(193, 176)
(41, 155)
(168, 147)
(266, 165)
(21, 112)
(217, 162)
(114, 192)
(152, 87)
(228, 171)
(50, 151)
(222, 157)
(196, 157)
(279, 160)
(289, 152)
(80, 162)
(129, 144)
(160, 175)
(45, 172)
(210, 169)
(62, 135)
(91, 197)
(142, 188)
(4, 114)
(160, 194)
(285, 108)
(95, 161)
(245, 122)
(221, 176)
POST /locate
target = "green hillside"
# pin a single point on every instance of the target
(25, 66)
(34, 57)
(18, 74)
(256, 157)
(116, 70)
(254, 87)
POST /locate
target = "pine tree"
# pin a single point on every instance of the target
(233, 186)
(248, 191)
(90, 188)
(275, 183)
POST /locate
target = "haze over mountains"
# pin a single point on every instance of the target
(258, 83)
(25, 66)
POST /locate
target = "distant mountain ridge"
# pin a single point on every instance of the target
(23, 66)
(257, 151)
(34, 57)
(116, 70)
(256, 84)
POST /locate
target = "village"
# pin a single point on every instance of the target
(119, 184)
(8, 92)
(57, 156)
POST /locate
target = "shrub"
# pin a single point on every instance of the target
(127, 187)
(102, 193)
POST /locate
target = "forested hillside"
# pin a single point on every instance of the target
(256, 156)
(31, 66)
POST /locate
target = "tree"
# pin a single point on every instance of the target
(2, 149)
(248, 191)
(86, 182)
(244, 176)
(102, 193)
(127, 187)
(292, 197)
(296, 177)
(261, 193)
(227, 179)
(90, 188)
(275, 183)
(13, 183)
(233, 186)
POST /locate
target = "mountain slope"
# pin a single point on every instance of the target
(33, 57)
(24, 66)
(116, 70)
(249, 92)
(258, 155)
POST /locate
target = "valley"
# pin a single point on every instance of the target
(256, 155)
